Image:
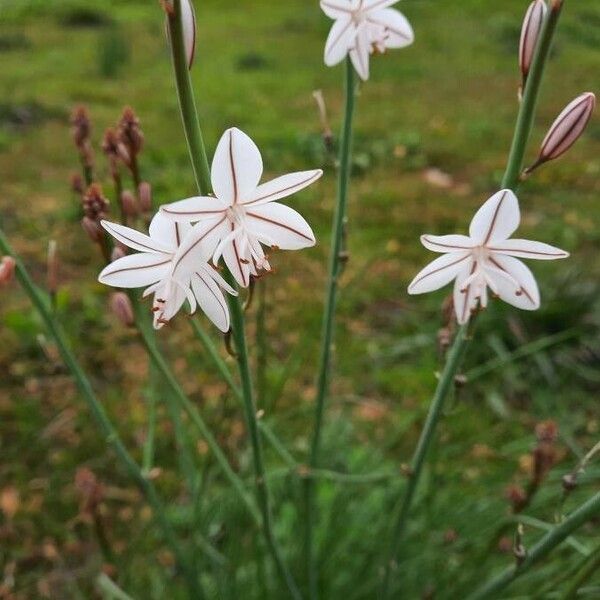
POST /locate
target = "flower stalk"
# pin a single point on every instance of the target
(335, 266)
(201, 169)
(551, 540)
(511, 180)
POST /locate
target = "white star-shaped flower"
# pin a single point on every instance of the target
(244, 214)
(485, 258)
(174, 273)
(362, 27)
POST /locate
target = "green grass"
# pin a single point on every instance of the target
(448, 102)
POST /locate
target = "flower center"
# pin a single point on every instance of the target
(236, 214)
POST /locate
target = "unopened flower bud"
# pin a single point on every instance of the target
(145, 196)
(80, 120)
(95, 205)
(7, 269)
(566, 129)
(188, 19)
(120, 304)
(52, 266)
(129, 204)
(77, 184)
(92, 228)
(130, 132)
(569, 482)
(118, 252)
(530, 33)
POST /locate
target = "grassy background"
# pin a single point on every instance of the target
(448, 103)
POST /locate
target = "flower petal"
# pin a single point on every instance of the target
(283, 186)
(134, 239)
(136, 270)
(237, 166)
(278, 225)
(198, 246)
(399, 30)
(211, 300)
(167, 232)
(439, 272)
(168, 300)
(336, 9)
(339, 41)
(528, 249)
(497, 219)
(466, 299)
(359, 54)
(447, 243)
(525, 294)
(193, 209)
(375, 5)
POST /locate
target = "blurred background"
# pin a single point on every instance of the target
(434, 127)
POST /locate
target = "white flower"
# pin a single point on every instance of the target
(485, 258)
(174, 273)
(244, 214)
(188, 20)
(362, 27)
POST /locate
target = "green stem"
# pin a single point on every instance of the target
(510, 180)
(199, 160)
(110, 432)
(262, 492)
(262, 349)
(335, 265)
(109, 589)
(590, 566)
(187, 103)
(197, 420)
(551, 540)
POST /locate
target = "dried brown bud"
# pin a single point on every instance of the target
(130, 132)
(82, 128)
(92, 228)
(120, 305)
(129, 204)
(77, 184)
(90, 490)
(145, 196)
(566, 129)
(7, 269)
(52, 266)
(517, 497)
(110, 143)
(546, 431)
(530, 33)
(95, 205)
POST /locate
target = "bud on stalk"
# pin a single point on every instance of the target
(530, 33)
(7, 269)
(92, 228)
(120, 304)
(145, 196)
(129, 204)
(188, 19)
(566, 129)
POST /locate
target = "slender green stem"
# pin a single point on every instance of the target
(551, 540)
(109, 589)
(198, 421)
(199, 159)
(148, 455)
(108, 429)
(262, 349)
(510, 180)
(590, 566)
(335, 265)
(187, 101)
(262, 492)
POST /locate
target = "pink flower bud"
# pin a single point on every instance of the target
(120, 305)
(118, 252)
(7, 269)
(530, 32)
(566, 129)
(145, 196)
(129, 204)
(92, 228)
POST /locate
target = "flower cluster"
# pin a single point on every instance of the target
(178, 261)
